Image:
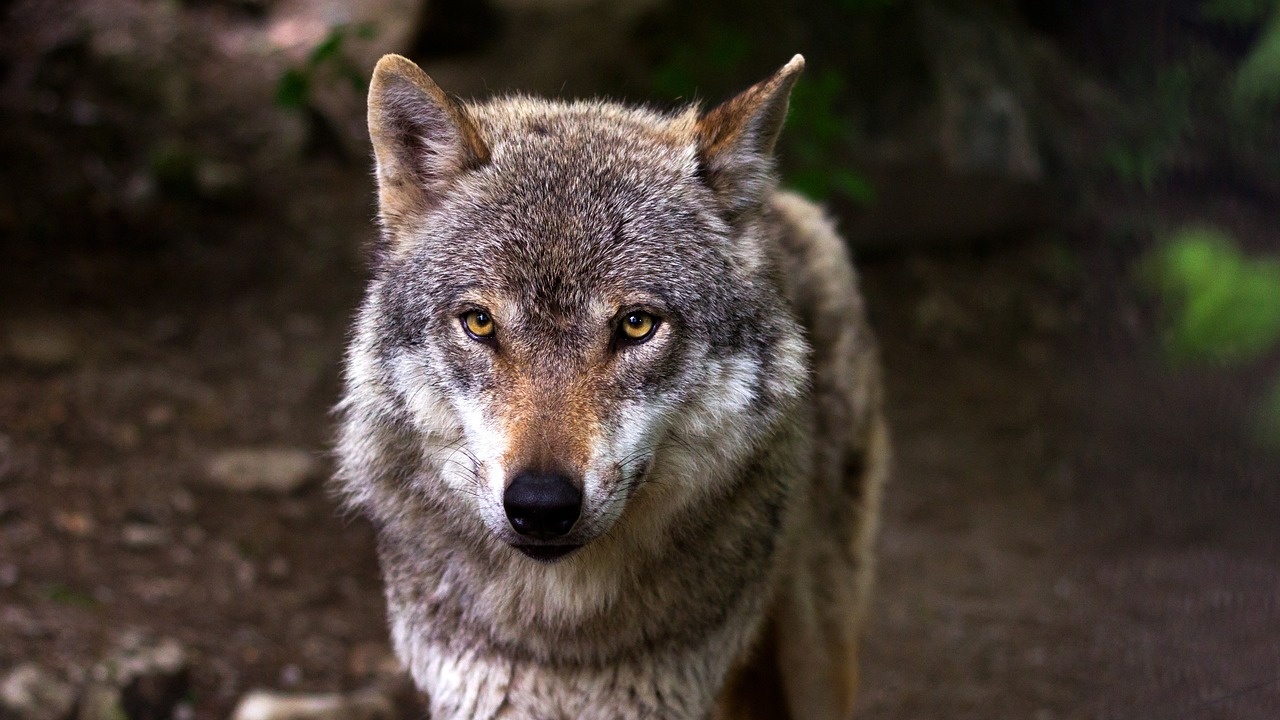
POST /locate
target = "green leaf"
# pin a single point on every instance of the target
(358, 81)
(1222, 306)
(294, 89)
(330, 47)
(813, 184)
(173, 167)
(674, 81)
(1236, 11)
(65, 595)
(1257, 84)
(853, 186)
(813, 113)
(727, 50)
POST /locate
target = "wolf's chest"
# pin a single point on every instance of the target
(474, 686)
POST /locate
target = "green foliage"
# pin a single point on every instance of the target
(717, 57)
(1222, 306)
(1236, 11)
(817, 134)
(294, 88)
(173, 167)
(328, 60)
(1257, 83)
(64, 595)
(1146, 151)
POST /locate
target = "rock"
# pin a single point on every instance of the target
(8, 459)
(45, 344)
(985, 88)
(290, 675)
(376, 661)
(100, 702)
(970, 155)
(160, 416)
(30, 693)
(76, 524)
(143, 536)
(16, 620)
(141, 681)
(277, 471)
(183, 502)
(941, 320)
(220, 181)
(278, 568)
(362, 705)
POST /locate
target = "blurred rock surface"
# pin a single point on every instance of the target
(278, 471)
(29, 692)
(141, 680)
(41, 343)
(361, 705)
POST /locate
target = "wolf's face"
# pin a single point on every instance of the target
(571, 311)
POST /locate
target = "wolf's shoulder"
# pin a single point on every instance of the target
(817, 268)
(820, 282)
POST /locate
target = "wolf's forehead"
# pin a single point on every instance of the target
(584, 208)
(578, 201)
(583, 145)
(569, 255)
(507, 119)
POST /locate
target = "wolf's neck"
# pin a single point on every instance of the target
(470, 683)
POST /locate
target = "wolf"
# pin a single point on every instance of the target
(614, 409)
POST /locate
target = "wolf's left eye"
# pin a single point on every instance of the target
(478, 324)
(637, 326)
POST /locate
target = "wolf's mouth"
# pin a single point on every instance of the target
(546, 553)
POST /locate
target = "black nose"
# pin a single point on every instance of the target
(542, 505)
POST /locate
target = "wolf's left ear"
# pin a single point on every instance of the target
(422, 139)
(736, 139)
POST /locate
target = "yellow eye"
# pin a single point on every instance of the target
(637, 326)
(478, 324)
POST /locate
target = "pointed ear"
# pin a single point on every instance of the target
(736, 139)
(422, 140)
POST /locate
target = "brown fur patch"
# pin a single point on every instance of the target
(754, 116)
(551, 423)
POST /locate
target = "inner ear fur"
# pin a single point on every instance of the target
(422, 140)
(736, 139)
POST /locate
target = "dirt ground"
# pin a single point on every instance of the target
(1073, 530)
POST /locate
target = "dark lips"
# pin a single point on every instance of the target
(546, 553)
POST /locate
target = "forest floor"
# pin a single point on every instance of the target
(1073, 529)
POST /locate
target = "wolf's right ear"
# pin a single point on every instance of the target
(422, 139)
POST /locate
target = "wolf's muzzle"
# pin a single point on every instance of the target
(542, 505)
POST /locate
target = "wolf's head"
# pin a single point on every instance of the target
(576, 316)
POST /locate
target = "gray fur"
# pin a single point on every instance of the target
(714, 456)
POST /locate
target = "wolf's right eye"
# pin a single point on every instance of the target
(478, 324)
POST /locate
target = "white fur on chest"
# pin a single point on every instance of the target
(474, 684)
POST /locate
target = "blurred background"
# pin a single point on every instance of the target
(1067, 219)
